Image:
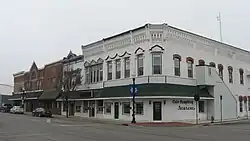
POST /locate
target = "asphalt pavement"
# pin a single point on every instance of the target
(26, 128)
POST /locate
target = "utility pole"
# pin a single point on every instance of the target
(219, 20)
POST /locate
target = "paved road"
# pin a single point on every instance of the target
(25, 128)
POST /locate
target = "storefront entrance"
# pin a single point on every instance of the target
(157, 112)
(91, 108)
(72, 109)
(116, 113)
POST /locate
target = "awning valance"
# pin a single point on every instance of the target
(49, 95)
(154, 90)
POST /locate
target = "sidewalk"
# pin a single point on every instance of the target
(142, 124)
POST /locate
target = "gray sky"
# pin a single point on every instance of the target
(45, 30)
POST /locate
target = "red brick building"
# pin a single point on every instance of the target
(38, 87)
(28, 87)
(51, 86)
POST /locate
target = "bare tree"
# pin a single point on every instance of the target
(71, 78)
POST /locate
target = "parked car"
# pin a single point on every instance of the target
(17, 110)
(41, 112)
(7, 108)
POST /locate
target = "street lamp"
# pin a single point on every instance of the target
(23, 94)
(133, 107)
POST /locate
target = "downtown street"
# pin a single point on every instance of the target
(27, 128)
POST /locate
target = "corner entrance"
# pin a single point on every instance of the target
(91, 108)
(116, 113)
(157, 112)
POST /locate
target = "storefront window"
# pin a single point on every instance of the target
(64, 106)
(139, 108)
(248, 105)
(201, 107)
(85, 106)
(125, 108)
(108, 108)
(100, 106)
(78, 107)
(241, 106)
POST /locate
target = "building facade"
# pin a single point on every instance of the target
(51, 86)
(28, 88)
(169, 65)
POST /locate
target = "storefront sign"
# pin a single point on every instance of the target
(186, 108)
(184, 104)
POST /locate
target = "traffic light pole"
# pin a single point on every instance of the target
(133, 107)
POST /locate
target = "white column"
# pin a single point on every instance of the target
(81, 106)
(113, 70)
(122, 68)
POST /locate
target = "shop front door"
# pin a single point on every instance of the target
(157, 115)
(116, 113)
(72, 109)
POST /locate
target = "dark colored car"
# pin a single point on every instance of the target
(6, 108)
(41, 112)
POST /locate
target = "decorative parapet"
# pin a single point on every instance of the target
(162, 33)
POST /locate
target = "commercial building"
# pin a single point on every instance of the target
(169, 65)
(38, 87)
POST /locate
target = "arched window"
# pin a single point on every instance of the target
(212, 64)
(201, 62)
(220, 67)
(190, 62)
(33, 75)
(241, 76)
(230, 74)
(177, 65)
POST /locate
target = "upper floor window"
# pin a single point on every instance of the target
(230, 74)
(33, 75)
(93, 74)
(109, 70)
(220, 67)
(157, 63)
(241, 76)
(140, 64)
(212, 64)
(201, 62)
(118, 68)
(190, 62)
(101, 71)
(126, 67)
(177, 65)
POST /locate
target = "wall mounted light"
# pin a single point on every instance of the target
(149, 102)
(164, 102)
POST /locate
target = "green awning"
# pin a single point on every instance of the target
(153, 90)
(77, 94)
(49, 95)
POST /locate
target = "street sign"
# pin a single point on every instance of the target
(131, 90)
(196, 97)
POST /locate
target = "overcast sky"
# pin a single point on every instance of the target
(45, 30)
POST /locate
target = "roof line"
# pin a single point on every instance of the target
(209, 39)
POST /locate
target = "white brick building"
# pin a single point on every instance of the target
(163, 61)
